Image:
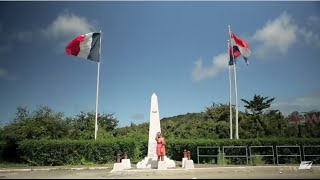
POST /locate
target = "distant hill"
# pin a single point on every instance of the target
(214, 123)
(168, 124)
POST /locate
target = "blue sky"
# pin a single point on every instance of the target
(176, 49)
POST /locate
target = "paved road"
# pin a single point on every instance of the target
(243, 172)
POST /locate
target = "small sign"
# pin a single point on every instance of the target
(305, 165)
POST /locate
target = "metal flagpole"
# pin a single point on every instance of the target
(96, 121)
(235, 85)
(230, 101)
(236, 91)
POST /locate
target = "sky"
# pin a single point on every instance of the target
(175, 49)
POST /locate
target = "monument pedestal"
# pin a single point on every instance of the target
(126, 163)
(152, 163)
(189, 164)
(184, 162)
(148, 163)
(169, 162)
(162, 165)
(117, 167)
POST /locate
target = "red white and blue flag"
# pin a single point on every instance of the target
(239, 47)
(236, 53)
(85, 46)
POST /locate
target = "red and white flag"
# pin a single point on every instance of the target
(240, 46)
(86, 46)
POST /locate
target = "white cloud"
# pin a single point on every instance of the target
(310, 32)
(219, 63)
(276, 36)
(67, 25)
(300, 104)
(313, 21)
(4, 74)
(310, 37)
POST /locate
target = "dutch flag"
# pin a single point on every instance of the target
(239, 47)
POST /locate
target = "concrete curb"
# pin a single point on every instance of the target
(317, 168)
(221, 168)
(51, 168)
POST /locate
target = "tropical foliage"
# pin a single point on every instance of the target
(211, 124)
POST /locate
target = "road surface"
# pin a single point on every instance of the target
(235, 172)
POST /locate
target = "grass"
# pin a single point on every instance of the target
(257, 161)
(12, 165)
(222, 160)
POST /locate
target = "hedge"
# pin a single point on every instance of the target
(76, 152)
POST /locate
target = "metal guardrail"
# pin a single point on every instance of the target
(309, 155)
(226, 156)
(288, 155)
(275, 154)
(207, 155)
(260, 155)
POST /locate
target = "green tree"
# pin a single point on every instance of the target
(218, 116)
(276, 123)
(256, 106)
(42, 123)
(22, 114)
(83, 125)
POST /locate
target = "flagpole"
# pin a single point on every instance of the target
(230, 101)
(236, 91)
(98, 77)
(235, 85)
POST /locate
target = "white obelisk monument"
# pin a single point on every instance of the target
(154, 126)
(151, 161)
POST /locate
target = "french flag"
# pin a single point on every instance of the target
(240, 47)
(85, 46)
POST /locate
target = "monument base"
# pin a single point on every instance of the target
(184, 161)
(148, 163)
(162, 165)
(126, 163)
(117, 167)
(189, 164)
(152, 162)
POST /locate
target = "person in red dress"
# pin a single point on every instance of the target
(161, 148)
